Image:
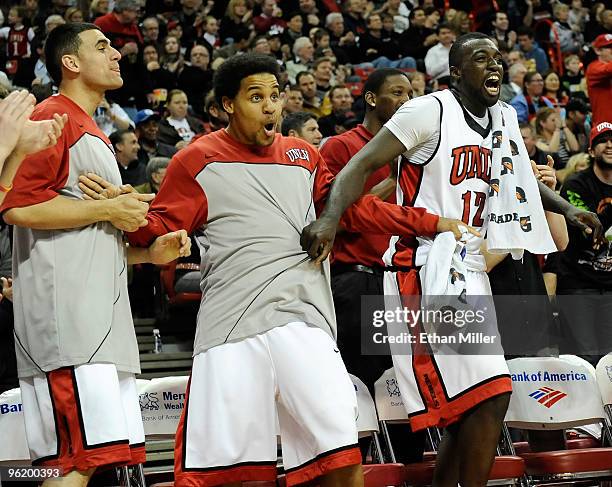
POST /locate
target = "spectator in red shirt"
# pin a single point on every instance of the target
(599, 79)
(121, 28)
(270, 15)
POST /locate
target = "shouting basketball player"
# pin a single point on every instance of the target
(468, 395)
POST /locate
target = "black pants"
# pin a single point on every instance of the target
(348, 288)
(586, 318)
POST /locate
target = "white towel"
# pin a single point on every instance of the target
(516, 216)
(443, 279)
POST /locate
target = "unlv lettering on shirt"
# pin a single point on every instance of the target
(295, 154)
(470, 161)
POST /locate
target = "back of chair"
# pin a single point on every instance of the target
(367, 421)
(553, 393)
(389, 403)
(161, 404)
(13, 442)
(604, 378)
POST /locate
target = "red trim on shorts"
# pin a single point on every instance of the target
(74, 454)
(452, 411)
(323, 464)
(439, 410)
(226, 475)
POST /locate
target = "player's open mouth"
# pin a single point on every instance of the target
(493, 84)
(269, 129)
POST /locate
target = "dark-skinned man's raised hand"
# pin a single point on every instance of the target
(318, 238)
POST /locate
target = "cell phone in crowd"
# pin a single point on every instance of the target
(562, 114)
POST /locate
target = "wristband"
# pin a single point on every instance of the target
(5, 189)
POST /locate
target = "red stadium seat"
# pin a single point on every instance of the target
(375, 475)
(521, 447)
(363, 73)
(582, 463)
(170, 296)
(505, 467)
(355, 88)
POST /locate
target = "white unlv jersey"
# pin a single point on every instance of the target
(446, 168)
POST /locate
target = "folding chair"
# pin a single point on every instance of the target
(558, 393)
(390, 407)
(506, 470)
(14, 447)
(376, 474)
(16, 452)
(161, 405)
(603, 372)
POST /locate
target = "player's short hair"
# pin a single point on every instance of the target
(375, 81)
(295, 121)
(154, 165)
(230, 74)
(63, 40)
(455, 56)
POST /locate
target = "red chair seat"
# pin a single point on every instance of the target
(420, 473)
(382, 475)
(568, 461)
(245, 484)
(183, 298)
(521, 447)
(583, 442)
(506, 467)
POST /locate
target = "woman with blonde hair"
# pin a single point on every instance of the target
(237, 16)
(97, 8)
(578, 162)
(554, 136)
(74, 14)
(461, 23)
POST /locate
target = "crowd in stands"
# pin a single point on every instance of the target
(557, 56)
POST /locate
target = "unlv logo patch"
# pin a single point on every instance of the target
(295, 154)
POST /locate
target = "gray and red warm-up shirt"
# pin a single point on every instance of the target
(250, 205)
(70, 286)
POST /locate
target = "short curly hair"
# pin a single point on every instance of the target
(230, 74)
